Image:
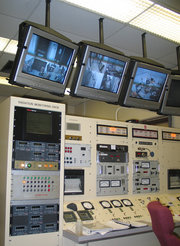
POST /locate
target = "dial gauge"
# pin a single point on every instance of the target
(115, 183)
(127, 202)
(105, 204)
(145, 181)
(116, 203)
(104, 183)
(87, 205)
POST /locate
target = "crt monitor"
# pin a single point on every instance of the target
(144, 86)
(99, 74)
(171, 101)
(44, 59)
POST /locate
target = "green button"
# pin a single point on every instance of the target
(29, 165)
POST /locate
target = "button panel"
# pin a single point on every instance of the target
(38, 186)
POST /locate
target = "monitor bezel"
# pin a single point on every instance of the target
(79, 90)
(165, 109)
(139, 102)
(20, 78)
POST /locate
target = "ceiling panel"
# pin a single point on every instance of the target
(79, 24)
(20, 9)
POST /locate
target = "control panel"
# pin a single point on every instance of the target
(34, 185)
(112, 175)
(32, 219)
(31, 155)
(35, 175)
(145, 176)
(126, 209)
(77, 155)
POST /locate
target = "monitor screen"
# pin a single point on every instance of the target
(99, 74)
(144, 86)
(43, 60)
(148, 84)
(103, 72)
(47, 59)
(171, 100)
(38, 123)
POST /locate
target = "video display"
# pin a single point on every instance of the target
(47, 59)
(173, 96)
(148, 84)
(103, 72)
(38, 123)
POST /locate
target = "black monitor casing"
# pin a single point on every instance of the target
(126, 99)
(171, 100)
(78, 90)
(44, 83)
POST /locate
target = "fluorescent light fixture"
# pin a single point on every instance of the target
(160, 21)
(11, 47)
(3, 43)
(121, 10)
(144, 14)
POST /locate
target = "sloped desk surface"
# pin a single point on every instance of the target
(112, 234)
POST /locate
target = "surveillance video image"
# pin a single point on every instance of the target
(148, 84)
(47, 59)
(103, 73)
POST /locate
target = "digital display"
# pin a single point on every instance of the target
(38, 123)
(173, 95)
(148, 84)
(112, 130)
(174, 136)
(47, 59)
(143, 133)
(103, 72)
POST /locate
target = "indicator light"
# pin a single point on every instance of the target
(173, 135)
(112, 129)
(45, 165)
(22, 165)
(29, 165)
(50, 165)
